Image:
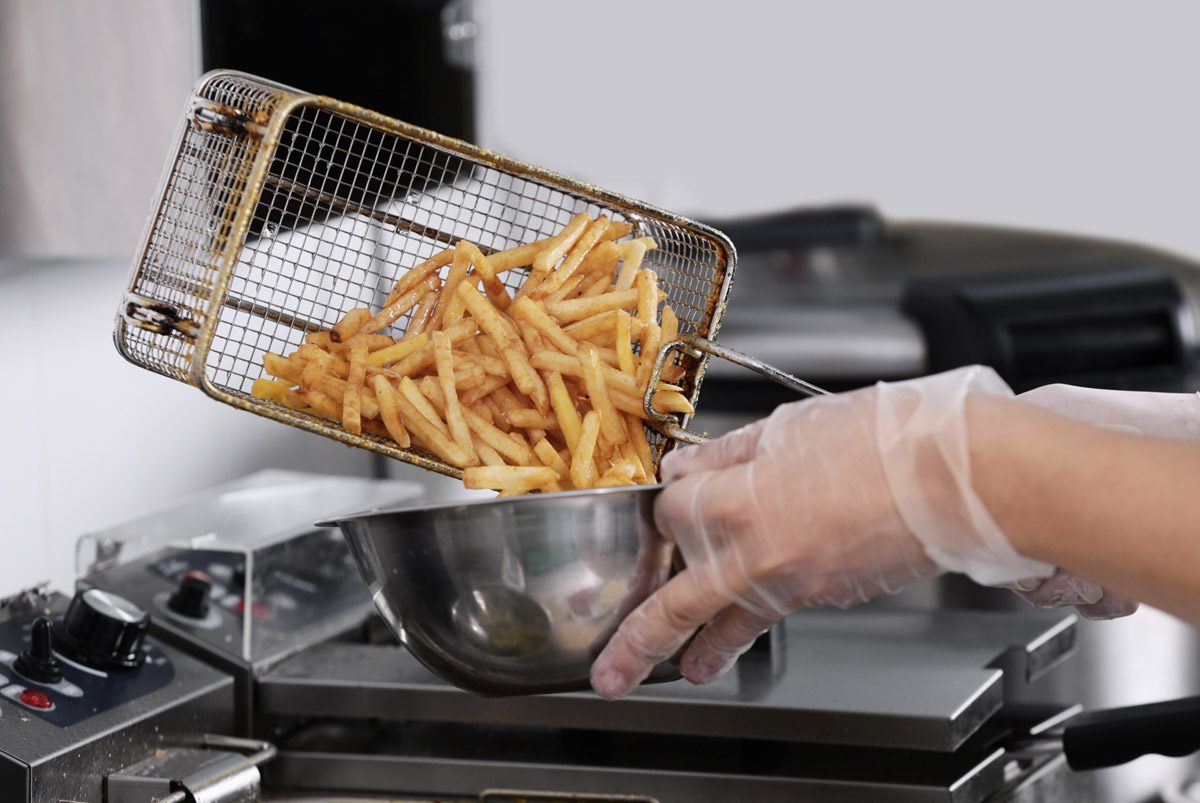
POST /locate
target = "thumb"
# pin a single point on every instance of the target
(736, 447)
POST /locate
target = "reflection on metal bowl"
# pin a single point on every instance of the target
(513, 596)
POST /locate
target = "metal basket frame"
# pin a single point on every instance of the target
(179, 317)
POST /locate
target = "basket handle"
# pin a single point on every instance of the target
(699, 347)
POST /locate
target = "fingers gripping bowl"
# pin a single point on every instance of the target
(514, 595)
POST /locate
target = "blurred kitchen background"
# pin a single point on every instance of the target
(911, 186)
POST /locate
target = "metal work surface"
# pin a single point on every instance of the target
(437, 759)
(928, 685)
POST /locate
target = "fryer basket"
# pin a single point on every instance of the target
(281, 210)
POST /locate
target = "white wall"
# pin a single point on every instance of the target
(88, 440)
(90, 94)
(1077, 115)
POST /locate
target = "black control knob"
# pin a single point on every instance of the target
(103, 630)
(191, 597)
(38, 662)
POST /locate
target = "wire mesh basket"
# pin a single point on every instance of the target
(279, 211)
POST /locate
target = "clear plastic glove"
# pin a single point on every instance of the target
(829, 501)
(1160, 415)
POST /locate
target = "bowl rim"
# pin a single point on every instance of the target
(496, 501)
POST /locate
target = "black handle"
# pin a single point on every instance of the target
(1107, 738)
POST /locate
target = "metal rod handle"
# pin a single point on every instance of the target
(698, 347)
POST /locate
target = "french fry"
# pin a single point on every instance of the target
(597, 390)
(423, 357)
(424, 311)
(490, 365)
(625, 345)
(637, 435)
(321, 339)
(567, 290)
(558, 245)
(487, 455)
(513, 449)
(423, 421)
(630, 452)
(485, 389)
(670, 333)
(617, 229)
(628, 404)
(634, 251)
(491, 321)
(496, 292)
(420, 273)
(576, 309)
(622, 472)
(528, 310)
(531, 282)
(321, 404)
(599, 284)
(604, 324)
(647, 304)
(269, 389)
(651, 340)
(602, 259)
(485, 412)
(399, 306)
(282, 368)
(495, 415)
(552, 459)
(335, 389)
(397, 351)
(444, 360)
(671, 401)
(373, 342)
(293, 400)
(586, 241)
(583, 465)
(565, 411)
(528, 418)
(468, 377)
(316, 359)
(509, 479)
(670, 324)
(531, 337)
(385, 395)
(410, 391)
(458, 272)
(571, 366)
(520, 257)
(350, 324)
(352, 400)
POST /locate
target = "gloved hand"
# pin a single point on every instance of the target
(1160, 415)
(829, 501)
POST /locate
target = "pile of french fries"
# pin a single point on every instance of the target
(540, 390)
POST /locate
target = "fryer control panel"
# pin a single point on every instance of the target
(82, 691)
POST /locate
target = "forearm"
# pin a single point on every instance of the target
(1118, 509)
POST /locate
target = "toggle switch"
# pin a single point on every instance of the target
(191, 597)
(38, 662)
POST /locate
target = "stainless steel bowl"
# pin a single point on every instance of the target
(516, 595)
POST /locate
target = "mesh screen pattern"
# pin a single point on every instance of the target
(347, 203)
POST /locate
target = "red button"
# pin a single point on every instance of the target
(36, 699)
(258, 610)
